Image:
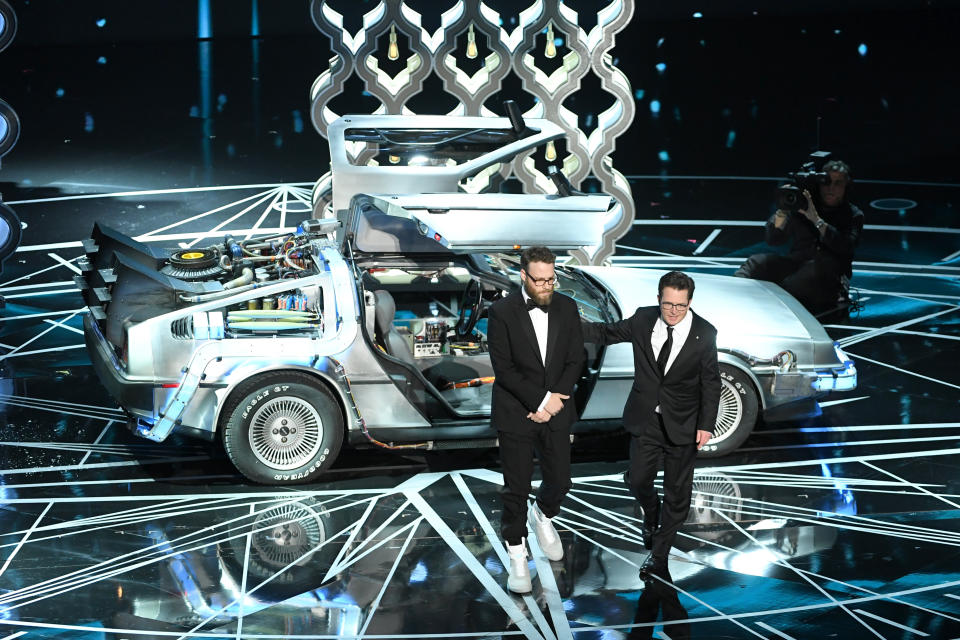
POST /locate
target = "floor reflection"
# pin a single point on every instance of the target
(660, 601)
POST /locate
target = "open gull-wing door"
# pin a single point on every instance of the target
(462, 222)
(423, 153)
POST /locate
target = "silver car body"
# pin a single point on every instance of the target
(756, 322)
(177, 369)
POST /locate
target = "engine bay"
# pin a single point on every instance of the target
(126, 282)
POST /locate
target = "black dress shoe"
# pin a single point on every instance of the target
(654, 566)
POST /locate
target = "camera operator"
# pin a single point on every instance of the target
(824, 228)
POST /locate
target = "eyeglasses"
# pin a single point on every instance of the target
(670, 306)
(544, 282)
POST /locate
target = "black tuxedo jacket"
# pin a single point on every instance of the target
(522, 378)
(688, 395)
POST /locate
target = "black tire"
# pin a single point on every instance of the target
(294, 452)
(739, 408)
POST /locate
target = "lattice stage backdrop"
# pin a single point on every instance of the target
(473, 60)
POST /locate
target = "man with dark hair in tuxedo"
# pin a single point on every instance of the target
(671, 409)
(536, 348)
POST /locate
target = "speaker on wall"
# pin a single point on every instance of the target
(9, 134)
(8, 24)
(9, 127)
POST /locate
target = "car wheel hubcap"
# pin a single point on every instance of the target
(285, 433)
(730, 413)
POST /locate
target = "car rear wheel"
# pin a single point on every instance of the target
(282, 428)
(739, 407)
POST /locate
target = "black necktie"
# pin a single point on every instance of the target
(531, 305)
(665, 352)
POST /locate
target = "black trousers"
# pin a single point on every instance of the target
(517, 451)
(815, 282)
(646, 453)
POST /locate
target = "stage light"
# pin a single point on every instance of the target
(393, 51)
(551, 49)
(9, 232)
(471, 43)
(9, 128)
(551, 152)
(8, 24)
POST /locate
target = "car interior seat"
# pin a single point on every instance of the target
(386, 334)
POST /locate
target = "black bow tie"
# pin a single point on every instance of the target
(531, 305)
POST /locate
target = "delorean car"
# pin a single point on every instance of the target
(366, 324)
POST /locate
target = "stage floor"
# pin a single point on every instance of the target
(842, 525)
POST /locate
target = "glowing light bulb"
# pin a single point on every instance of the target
(551, 152)
(393, 51)
(551, 50)
(471, 43)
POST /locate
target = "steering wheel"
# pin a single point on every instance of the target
(470, 300)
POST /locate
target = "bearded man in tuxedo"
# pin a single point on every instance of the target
(536, 349)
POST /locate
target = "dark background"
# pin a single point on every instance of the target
(127, 116)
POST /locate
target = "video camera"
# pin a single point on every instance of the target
(811, 174)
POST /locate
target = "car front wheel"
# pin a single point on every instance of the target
(739, 407)
(282, 428)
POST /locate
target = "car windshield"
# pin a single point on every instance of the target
(426, 147)
(570, 283)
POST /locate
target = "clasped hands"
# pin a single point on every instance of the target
(552, 408)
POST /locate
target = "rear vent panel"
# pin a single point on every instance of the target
(182, 328)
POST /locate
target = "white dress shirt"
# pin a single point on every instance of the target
(540, 322)
(659, 337)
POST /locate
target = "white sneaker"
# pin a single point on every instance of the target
(546, 534)
(518, 579)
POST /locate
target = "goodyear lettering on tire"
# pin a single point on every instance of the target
(303, 474)
(736, 385)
